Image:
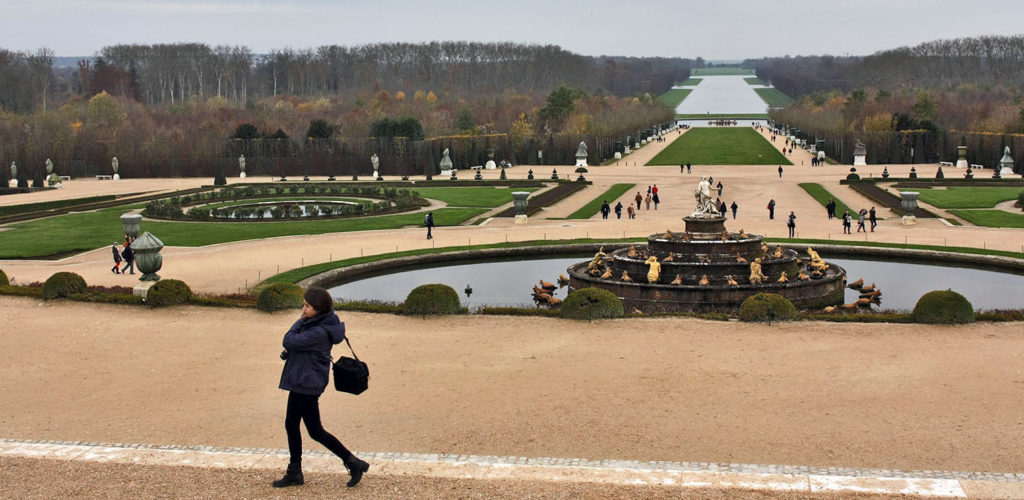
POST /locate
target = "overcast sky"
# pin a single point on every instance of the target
(712, 29)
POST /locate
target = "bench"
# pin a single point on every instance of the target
(976, 166)
(946, 163)
(65, 177)
(104, 177)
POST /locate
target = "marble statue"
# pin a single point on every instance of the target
(241, 166)
(14, 171)
(581, 155)
(375, 162)
(654, 270)
(446, 161)
(49, 167)
(705, 206)
(114, 164)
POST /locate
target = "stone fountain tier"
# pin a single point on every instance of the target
(691, 270)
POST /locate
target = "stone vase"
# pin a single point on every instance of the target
(147, 256)
(131, 224)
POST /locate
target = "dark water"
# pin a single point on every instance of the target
(510, 283)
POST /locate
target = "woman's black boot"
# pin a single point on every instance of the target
(356, 468)
(293, 477)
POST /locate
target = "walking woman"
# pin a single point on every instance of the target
(307, 355)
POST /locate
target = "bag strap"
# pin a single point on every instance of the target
(350, 348)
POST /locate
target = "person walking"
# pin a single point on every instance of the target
(605, 209)
(780, 171)
(719, 186)
(117, 259)
(830, 208)
(655, 198)
(129, 258)
(734, 206)
(307, 365)
(771, 209)
(791, 224)
(847, 222)
(618, 210)
(647, 202)
(860, 220)
(682, 168)
(639, 198)
(722, 208)
(654, 190)
(687, 167)
(873, 217)
(428, 221)
(630, 212)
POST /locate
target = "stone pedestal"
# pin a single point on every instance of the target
(859, 160)
(117, 177)
(618, 156)
(12, 183)
(909, 220)
(142, 289)
(241, 175)
(521, 219)
(446, 173)
(490, 165)
(961, 164)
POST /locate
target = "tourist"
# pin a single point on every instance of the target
(780, 171)
(771, 209)
(734, 206)
(654, 190)
(605, 209)
(638, 199)
(682, 168)
(129, 258)
(860, 220)
(117, 260)
(847, 222)
(687, 167)
(722, 208)
(649, 190)
(873, 217)
(791, 224)
(630, 212)
(830, 208)
(719, 186)
(618, 210)
(656, 199)
(307, 365)
(428, 221)
(647, 202)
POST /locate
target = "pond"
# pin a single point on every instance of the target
(723, 95)
(510, 282)
(285, 209)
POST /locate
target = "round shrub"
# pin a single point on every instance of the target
(3, 278)
(944, 307)
(767, 307)
(63, 284)
(278, 296)
(432, 299)
(168, 293)
(592, 303)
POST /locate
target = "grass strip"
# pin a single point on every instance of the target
(50, 205)
(690, 82)
(590, 209)
(720, 146)
(991, 218)
(721, 71)
(969, 197)
(754, 81)
(483, 197)
(821, 195)
(673, 97)
(774, 97)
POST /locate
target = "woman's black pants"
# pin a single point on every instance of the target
(307, 408)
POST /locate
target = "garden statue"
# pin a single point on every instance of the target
(446, 163)
(114, 163)
(654, 270)
(241, 166)
(520, 202)
(705, 206)
(756, 276)
(49, 167)
(1006, 163)
(581, 155)
(376, 165)
(14, 172)
(860, 154)
(961, 157)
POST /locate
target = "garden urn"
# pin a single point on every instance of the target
(131, 224)
(147, 256)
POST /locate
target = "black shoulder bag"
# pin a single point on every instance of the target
(351, 375)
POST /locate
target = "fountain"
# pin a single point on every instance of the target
(707, 268)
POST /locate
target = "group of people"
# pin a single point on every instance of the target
(126, 254)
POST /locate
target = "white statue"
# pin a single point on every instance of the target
(14, 175)
(705, 207)
(446, 162)
(376, 165)
(241, 166)
(114, 164)
(49, 167)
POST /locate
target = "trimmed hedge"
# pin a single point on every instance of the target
(432, 299)
(767, 307)
(168, 292)
(4, 281)
(592, 303)
(944, 307)
(280, 296)
(63, 284)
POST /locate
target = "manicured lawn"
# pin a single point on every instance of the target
(755, 81)
(990, 218)
(774, 97)
(697, 116)
(483, 196)
(969, 197)
(612, 194)
(720, 146)
(721, 71)
(673, 97)
(821, 195)
(690, 82)
(87, 231)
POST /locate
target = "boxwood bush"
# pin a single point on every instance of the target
(943, 307)
(278, 296)
(432, 299)
(592, 303)
(168, 292)
(3, 278)
(767, 307)
(63, 284)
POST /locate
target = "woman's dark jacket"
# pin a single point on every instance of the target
(309, 343)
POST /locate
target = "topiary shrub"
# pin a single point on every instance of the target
(168, 293)
(592, 303)
(278, 296)
(432, 299)
(3, 278)
(767, 307)
(944, 307)
(62, 284)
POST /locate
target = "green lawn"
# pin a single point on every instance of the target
(613, 193)
(673, 97)
(990, 218)
(697, 116)
(720, 146)
(488, 197)
(690, 82)
(755, 81)
(87, 231)
(725, 70)
(821, 195)
(774, 97)
(969, 197)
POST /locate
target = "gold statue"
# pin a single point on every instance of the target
(756, 277)
(654, 270)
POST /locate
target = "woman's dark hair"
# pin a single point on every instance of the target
(320, 299)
